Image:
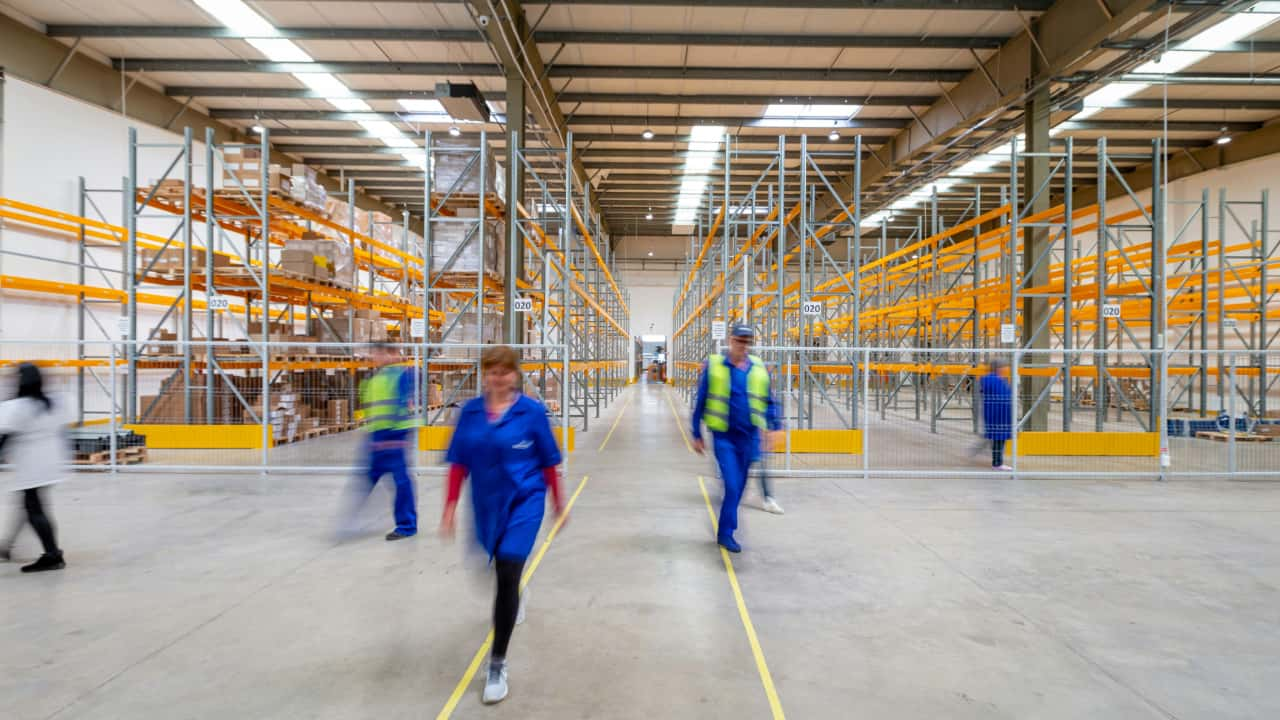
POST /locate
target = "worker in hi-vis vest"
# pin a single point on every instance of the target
(386, 407)
(736, 403)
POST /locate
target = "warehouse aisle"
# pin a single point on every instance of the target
(213, 597)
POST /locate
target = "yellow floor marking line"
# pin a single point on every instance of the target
(615, 423)
(476, 661)
(775, 705)
(687, 445)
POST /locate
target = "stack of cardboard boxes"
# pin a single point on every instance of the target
(455, 169)
(305, 188)
(461, 237)
(242, 168)
(169, 261)
(317, 257)
(352, 326)
(469, 331)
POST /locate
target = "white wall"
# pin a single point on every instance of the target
(50, 140)
(653, 293)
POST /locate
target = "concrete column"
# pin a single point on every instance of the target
(1035, 169)
(513, 330)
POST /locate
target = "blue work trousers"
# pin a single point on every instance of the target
(733, 454)
(392, 461)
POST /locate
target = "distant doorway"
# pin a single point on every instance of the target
(653, 358)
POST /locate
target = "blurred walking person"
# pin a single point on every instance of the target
(35, 442)
(503, 441)
(735, 400)
(997, 411)
(386, 404)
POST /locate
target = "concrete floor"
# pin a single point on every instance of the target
(225, 597)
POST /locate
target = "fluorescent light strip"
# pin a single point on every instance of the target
(264, 37)
(1220, 35)
(239, 17)
(704, 141)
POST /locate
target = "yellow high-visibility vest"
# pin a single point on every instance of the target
(716, 414)
(380, 402)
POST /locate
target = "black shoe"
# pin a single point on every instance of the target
(47, 561)
(395, 535)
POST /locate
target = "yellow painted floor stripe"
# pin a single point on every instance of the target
(615, 423)
(679, 423)
(766, 679)
(461, 688)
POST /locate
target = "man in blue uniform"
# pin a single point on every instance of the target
(386, 404)
(735, 400)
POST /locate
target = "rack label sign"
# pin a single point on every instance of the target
(718, 329)
(522, 305)
(1230, 323)
(1008, 332)
(219, 302)
(810, 308)
(122, 326)
(417, 327)
(1111, 310)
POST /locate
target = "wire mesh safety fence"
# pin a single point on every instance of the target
(947, 412)
(171, 406)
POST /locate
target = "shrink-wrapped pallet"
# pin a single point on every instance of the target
(449, 237)
(456, 169)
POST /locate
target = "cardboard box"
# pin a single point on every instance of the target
(339, 412)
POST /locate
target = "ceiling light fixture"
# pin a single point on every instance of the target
(834, 135)
(650, 253)
(258, 129)
(649, 215)
(647, 134)
(454, 131)
(1224, 138)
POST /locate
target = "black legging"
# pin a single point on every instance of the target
(997, 453)
(507, 604)
(40, 522)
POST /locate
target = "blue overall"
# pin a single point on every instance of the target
(736, 448)
(386, 451)
(505, 460)
(997, 407)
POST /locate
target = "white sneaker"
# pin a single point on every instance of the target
(495, 685)
(771, 505)
(524, 596)
(1003, 468)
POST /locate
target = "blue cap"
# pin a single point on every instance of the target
(742, 330)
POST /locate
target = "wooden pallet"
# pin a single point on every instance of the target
(1240, 437)
(124, 456)
(281, 272)
(467, 199)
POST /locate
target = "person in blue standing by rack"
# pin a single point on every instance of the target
(997, 411)
(387, 408)
(735, 400)
(503, 440)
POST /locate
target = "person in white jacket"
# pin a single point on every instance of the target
(35, 442)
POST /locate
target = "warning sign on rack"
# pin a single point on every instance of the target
(122, 327)
(417, 327)
(718, 329)
(1008, 332)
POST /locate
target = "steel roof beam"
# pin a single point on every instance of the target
(992, 5)
(472, 70)
(569, 37)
